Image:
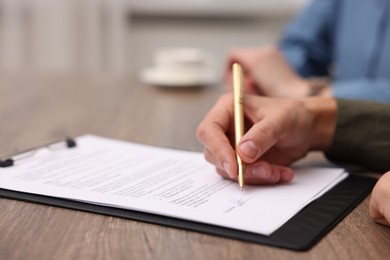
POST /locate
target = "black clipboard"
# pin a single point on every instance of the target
(300, 233)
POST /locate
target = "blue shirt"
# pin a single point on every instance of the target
(348, 40)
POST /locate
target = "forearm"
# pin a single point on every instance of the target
(362, 134)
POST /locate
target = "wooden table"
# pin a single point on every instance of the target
(37, 110)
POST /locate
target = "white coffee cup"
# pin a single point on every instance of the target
(181, 67)
(178, 57)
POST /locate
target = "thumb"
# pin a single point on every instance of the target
(263, 134)
(255, 143)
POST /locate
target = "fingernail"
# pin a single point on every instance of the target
(226, 167)
(249, 149)
(286, 175)
(259, 171)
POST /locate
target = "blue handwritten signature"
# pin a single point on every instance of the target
(240, 202)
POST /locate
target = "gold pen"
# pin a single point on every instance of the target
(238, 93)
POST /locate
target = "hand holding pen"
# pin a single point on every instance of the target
(279, 132)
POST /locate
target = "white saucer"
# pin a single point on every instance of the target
(157, 77)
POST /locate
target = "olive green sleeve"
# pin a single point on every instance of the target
(362, 135)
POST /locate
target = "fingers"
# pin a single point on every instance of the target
(212, 133)
(263, 173)
(227, 166)
(379, 206)
(375, 212)
(228, 75)
(271, 121)
(243, 57)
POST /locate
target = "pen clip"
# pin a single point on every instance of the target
(54, 146)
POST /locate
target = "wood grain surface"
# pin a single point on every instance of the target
(35, 110)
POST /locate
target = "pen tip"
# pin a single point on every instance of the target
(242, 188)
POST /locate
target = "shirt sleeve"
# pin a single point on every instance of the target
(307, 41)
(363, 89)
(362, 135)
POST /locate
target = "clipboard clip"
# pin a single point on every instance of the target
(57, 145)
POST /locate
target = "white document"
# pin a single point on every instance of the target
(166, 182)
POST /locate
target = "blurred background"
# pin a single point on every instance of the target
(122, 36)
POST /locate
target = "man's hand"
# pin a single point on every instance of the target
(279, 132)
(267, 73)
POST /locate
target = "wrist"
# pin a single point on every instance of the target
(318, 87)
(311, 87)
(324, 111)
